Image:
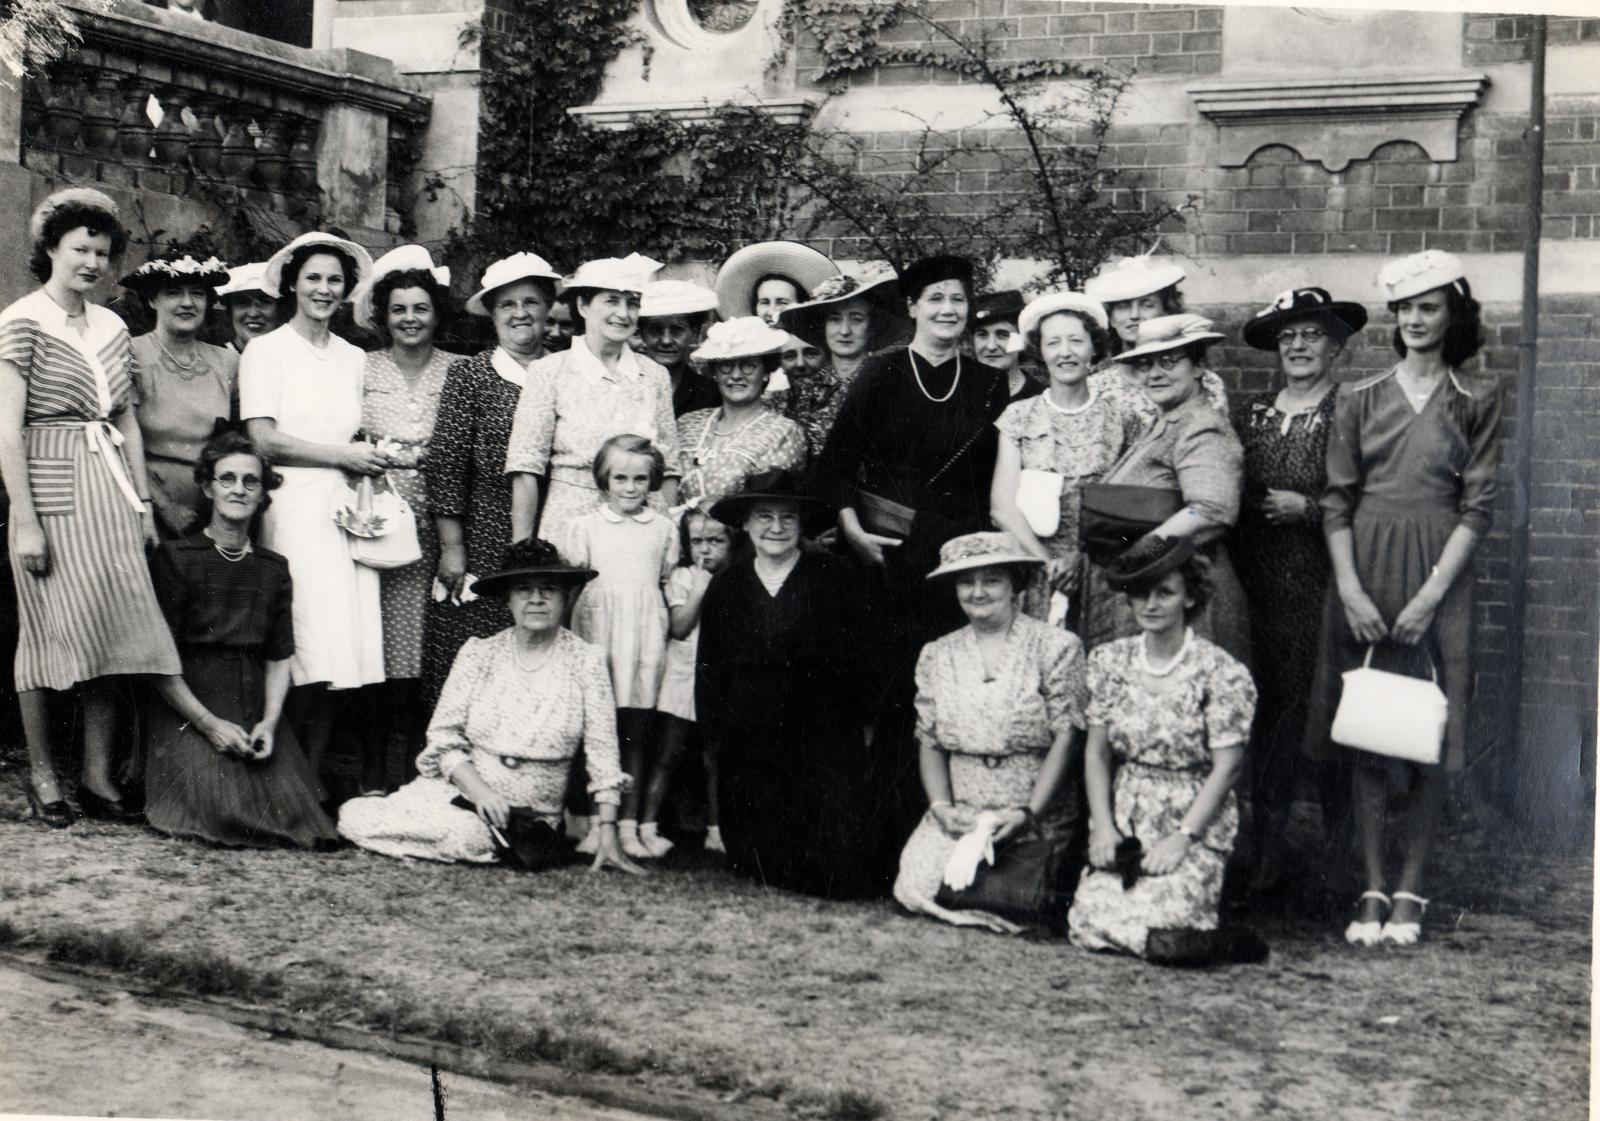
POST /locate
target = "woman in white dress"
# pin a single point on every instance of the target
(300, 397)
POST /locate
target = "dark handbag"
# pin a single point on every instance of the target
(884, 516)
(1113, 516)
(1030, 883)
(528, 842)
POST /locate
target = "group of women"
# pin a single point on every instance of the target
(971, 598)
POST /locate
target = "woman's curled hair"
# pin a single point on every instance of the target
(62, 221)
(297, 261)
(1196, 574)
(391, 282)
(1463, 338)
(228, 439)
(1098, 337)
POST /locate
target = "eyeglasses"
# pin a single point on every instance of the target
(1167, 361)
(1311, 335)
(230, 480)
(787, 519)
(729, 366)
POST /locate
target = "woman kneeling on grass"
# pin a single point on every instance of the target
(510, 719)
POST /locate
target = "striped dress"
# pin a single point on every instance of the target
(94, 613)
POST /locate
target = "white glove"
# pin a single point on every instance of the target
(972, 850)
(442, 594)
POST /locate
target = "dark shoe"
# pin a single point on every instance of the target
(1182, 946)
(1239, 945)
(57, 814)
(106, 809)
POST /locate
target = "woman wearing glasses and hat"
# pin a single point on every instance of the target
(578, 399)
(184, 384)
(1411, 488)
(1279, 547)
(515, 710)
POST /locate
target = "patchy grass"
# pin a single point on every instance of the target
(693, 979)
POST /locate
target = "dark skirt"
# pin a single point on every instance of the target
(445, 630)
(193, 790)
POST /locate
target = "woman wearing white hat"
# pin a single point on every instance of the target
(578, 399)
(1054, 443)
(404, 301)
(1134, 290)
(251, 306)
(465, 469)
(742, 437)
(1411, 488)
(300, 399)
(672, 321)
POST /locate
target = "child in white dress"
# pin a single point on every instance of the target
(623, 611)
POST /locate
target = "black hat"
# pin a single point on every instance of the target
(1300, 303)
(531, 557)
(930, 270)
(806, 321)
(1147, 561)
(996, 307)
(767, 486)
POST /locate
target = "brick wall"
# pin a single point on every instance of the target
(1503, 38)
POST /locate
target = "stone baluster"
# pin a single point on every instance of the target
(63, 117)
(238, 146)
(135, 134)
(272, 154)
(303, 158)
(32, 112)
(399, 166)
(205, 150)
(101, 110)
(172, 134)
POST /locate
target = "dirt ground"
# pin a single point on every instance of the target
(692, 980)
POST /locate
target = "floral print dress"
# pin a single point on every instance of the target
(1162, 745)
(716, 466)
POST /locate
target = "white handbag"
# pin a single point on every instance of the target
(1391, 714)
(381, 526)
(1039, 499)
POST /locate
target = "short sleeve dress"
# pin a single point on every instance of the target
(229, 618)
(314, 394)
(676, 695)
(715, 466)
(520, 729)
(995, 735)
(178, 410)
(1162, 745)
(94, 613)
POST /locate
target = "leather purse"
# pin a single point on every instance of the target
(1392, 714)
(528, 842)
(884, 516)
(1115, 515)
(1030, 883)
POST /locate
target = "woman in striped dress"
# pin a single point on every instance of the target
(73, 464)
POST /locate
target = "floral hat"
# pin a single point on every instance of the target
(1421, 272)
(981, 550)
(614, 274)
(806, 321)
(745, 337)
(1301, 303)
(147, 278)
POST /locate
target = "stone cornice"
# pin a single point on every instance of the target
(794, 109)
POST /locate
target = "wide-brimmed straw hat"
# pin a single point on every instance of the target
(770, 486)
(248, 278)
(71, 196)
(1131, 277)
(176, 268)
(662, 298)
(402, 258)
(745, 337)
(273, 273)
(529, 557)
(981, 550)
(1301, 303)
(1421, 272)
(736, 279)
(632, 273)
(509, 270)
(1145, 563)
(806, 321)
(1170, 332)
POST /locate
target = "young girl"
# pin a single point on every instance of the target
(704, 545)
(622, 610)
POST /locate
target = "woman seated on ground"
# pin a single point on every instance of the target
(1169, 714)
(777, 692)
(221, 768)
(1017, 777)
(513, 713)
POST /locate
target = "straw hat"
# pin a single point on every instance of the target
(211, 273)
(1419, 273)
(806, 321)
(736, 279)
(509, 270)
(248, 278)
(71, 196)
(1301, 303)
(662, 298)
(614, 274)
(1170, 332)
(531, 556)
(981, 550)
(273, 273)
(1132, 277)
(745, 337)
(402, 258)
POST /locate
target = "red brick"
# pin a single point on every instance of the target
(1409, 194)
(1121, 21)
(1077, 25)
(1405, 242)
(1208, 63)
(1202, 42)
(1208, 18)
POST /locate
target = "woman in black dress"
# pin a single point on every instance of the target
(1281, 556)
(221, 766)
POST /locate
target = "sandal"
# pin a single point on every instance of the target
(1405, 933)
(1367, 934)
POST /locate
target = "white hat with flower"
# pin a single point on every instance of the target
(509, 270)
(748, 336)
(172, 268)
(1170, 332)
(1421, 272)
(632, 273)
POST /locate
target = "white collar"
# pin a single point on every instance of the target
(53, 318)
(645, 515)
(508, 367)
(589, 362)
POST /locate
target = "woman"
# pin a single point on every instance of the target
(1022, 769)
(73, 464)
(1133, 291)
(184, 384)
(845, 321)
(994, 325)
(513, 713)
(251, 306)
(1283, 561)
(764, 278)
(799, 800)
(724, 445)
(465, 470)
(1190, 451)
(222, 767)
(577, 400)
(1411, 486)
(300, 399)
(909, 463)
(1063, 438)
(672, 321)
(1168, 717)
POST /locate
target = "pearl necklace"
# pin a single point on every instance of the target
(1144, 654)
(232, 556)
(185, 371)
(916, 374)
(516, 653)
(1066, 411)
